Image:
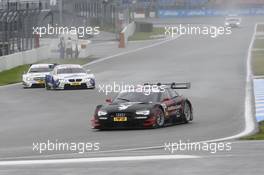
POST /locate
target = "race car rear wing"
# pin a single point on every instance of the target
(181, 85)
(51, 66)
(173, 85)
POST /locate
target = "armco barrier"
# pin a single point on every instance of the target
(26, 57)
(210, 12)
(128, 31)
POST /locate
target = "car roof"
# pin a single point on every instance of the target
(232, 14)
(65, 66)
(232, 18)
(41, 65)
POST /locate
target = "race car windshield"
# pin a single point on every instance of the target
(137, 97)
(39, 70)
(70, 70)
(233, 20)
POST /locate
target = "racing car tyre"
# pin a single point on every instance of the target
(91, 87)
(187, 113)
(160, 118)
(47, 86)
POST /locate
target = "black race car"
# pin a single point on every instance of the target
(140, 110)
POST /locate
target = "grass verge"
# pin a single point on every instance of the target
(258, 57)
(258, 70)
(260, 28)
(258, 63)
(14, 75)
(158, 32)
(259, 43)
(257, 136)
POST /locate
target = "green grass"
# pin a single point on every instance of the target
(260, 28)
(258, 63)
(157, 31)
(259, 43)
(258, 136)
(13, 75)
(258, 57)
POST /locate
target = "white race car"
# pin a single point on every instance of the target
(69, 76)
(233, 21)
(35, 77)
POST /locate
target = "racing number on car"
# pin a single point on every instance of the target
(169, 103)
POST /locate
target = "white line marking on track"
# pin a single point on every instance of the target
(162, 41)
(249, 114)
(97, 159)
(249, 117)
(131, 51)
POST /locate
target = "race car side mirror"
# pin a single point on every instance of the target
(109, 100)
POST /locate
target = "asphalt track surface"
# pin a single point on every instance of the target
(215, 67)
(236, 162)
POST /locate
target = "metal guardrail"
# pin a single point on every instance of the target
(16, 22)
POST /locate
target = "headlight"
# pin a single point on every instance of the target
(87, 79)
(101, 113)
(61, 80)
(29, 78)
(143, 112)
